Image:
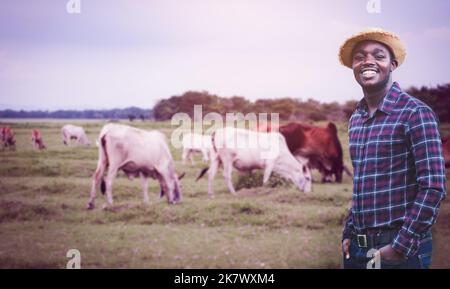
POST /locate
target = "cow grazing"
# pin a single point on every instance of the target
(196, 143)
(320, 145)
(137, 153)
(236, 148)
(8, 139)
(36, 139)
(446, 148)
(77, 133)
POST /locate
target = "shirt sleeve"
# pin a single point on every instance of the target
(348, 228)
(426, 147)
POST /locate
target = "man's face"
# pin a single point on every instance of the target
(372, 65)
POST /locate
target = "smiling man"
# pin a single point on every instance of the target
(396, 152)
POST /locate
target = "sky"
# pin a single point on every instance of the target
(122, 53)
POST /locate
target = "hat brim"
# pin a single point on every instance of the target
(384, 37)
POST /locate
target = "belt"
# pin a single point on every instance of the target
(373, 238)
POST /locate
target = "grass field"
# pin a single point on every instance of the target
(43, 197)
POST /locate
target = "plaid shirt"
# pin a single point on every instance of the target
(399, 171)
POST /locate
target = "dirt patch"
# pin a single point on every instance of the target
(9, 263)
(254, 192)
(246, 209)
(292, 199)
(15, 210)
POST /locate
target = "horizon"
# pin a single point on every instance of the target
(35, 108)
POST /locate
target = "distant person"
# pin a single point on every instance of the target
(396, 152)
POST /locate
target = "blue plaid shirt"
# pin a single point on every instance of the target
(399, 171)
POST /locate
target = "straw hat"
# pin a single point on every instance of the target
(374, 34)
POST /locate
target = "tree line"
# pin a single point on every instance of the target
(438, 98)
(130, 113)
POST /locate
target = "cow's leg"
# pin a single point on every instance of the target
(177, 192)
(144, 181)
(112, 172)
(95, 182)
(227, 173)
(184, 155)
(191, 157)
(96, 179)
(308, 178)
(211, 174)
(205, 155)
(270, 164)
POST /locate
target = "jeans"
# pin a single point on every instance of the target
(422, 260)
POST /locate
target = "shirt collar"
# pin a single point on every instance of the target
(386, 106)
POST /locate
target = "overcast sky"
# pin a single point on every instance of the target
(132, 53)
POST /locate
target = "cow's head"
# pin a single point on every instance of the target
(296, 170)
(176, 198)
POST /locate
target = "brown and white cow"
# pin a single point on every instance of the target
(320, 145)
(36, 139)
(247, 150)
(77, 133)
(138, 153)
(446, 148)
(8, 139)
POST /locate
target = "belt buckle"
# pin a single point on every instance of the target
(362, 241)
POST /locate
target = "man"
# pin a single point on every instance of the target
(396, 152)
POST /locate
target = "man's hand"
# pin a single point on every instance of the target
(345, 248)
(390, 254)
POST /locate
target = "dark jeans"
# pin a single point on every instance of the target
(422, 260)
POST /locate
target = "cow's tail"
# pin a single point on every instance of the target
(202, 173)
(102, 163)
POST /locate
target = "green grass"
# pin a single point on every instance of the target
(43, 196)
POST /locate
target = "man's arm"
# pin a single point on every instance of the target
(348, 228)
(426, 147)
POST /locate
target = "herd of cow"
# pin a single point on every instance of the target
(296, 149)
(69, 132)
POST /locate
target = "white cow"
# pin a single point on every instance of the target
(237, 148)
(77, 133)
(196, 143)
(137, 153)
